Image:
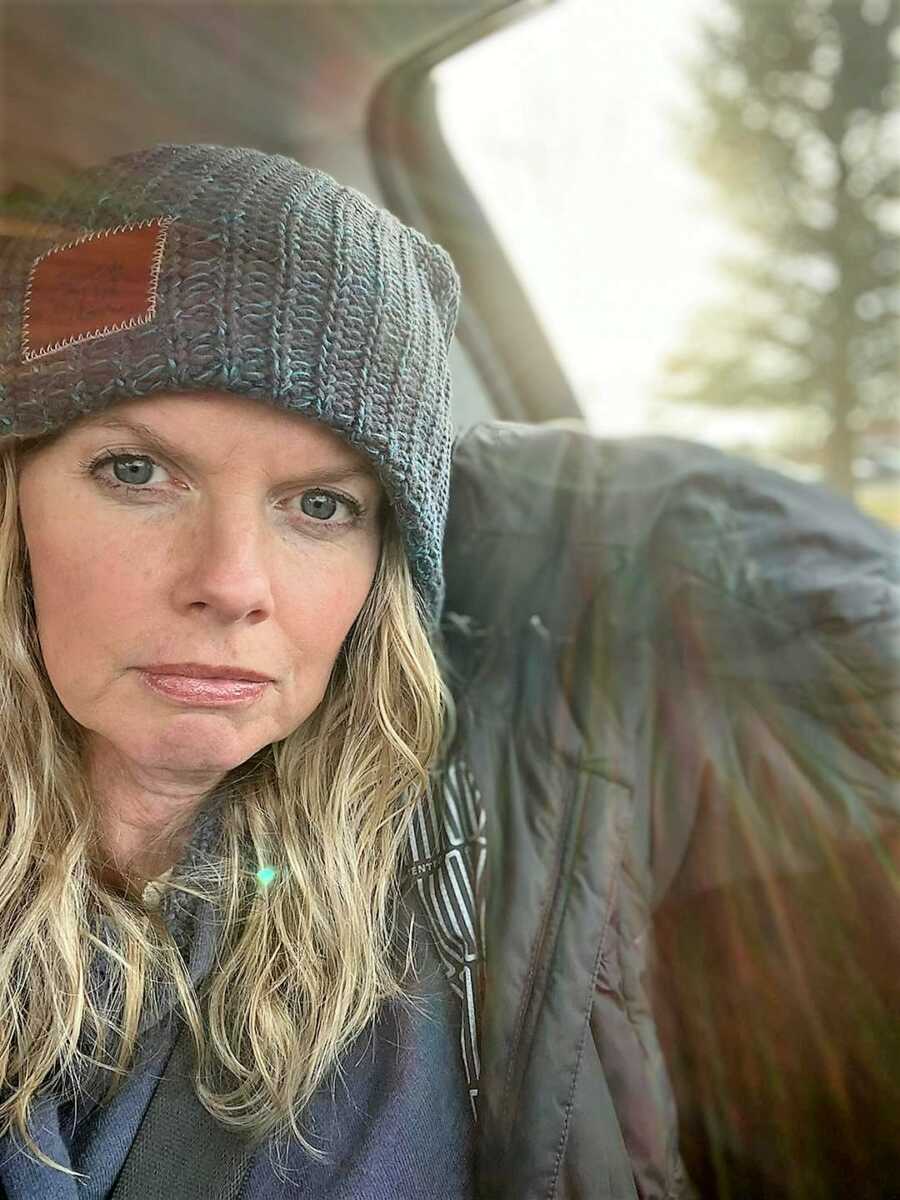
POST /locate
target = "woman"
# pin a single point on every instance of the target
(225, 480)
(226, 399)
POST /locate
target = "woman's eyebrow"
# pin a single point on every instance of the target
(155, 441)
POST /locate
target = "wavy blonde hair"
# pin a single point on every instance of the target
(305, 963)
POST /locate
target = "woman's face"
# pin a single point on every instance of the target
(223, 532)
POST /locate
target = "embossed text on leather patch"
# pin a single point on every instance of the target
(98, 284)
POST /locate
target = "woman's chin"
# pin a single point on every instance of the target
(196, 742)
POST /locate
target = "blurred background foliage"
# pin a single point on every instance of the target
(702, 199)
(797, 133)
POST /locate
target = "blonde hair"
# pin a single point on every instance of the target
(305, 963)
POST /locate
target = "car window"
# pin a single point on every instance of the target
(697, 197)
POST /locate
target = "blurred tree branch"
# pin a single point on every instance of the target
(797, 129)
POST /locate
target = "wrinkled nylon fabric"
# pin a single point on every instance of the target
(675, 670)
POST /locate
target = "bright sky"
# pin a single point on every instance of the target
(564, 125)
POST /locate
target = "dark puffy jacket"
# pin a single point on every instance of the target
(668, 821)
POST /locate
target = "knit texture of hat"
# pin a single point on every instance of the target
(211, 268)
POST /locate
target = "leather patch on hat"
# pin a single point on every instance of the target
(92, 287)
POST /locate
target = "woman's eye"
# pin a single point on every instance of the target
(136, 470)
(322, 506)
(129, 470)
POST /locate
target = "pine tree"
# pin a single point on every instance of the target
(799, 134)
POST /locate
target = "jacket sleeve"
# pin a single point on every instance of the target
(776, 710)
(769, 820)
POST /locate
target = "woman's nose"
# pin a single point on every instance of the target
(225, 565)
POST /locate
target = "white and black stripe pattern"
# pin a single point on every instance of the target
(448, 846)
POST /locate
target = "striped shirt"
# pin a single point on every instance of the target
(448, 844)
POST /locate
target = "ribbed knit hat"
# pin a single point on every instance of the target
(213, 268)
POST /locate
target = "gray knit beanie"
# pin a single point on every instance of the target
(215, 268)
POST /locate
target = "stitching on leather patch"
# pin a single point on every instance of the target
(94, 286)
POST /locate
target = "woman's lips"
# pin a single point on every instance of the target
(185, 689)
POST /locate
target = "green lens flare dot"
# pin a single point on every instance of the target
(266, 875)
